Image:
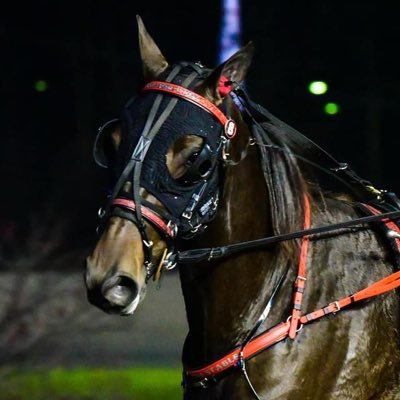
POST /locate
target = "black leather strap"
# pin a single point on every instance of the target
(212, 253)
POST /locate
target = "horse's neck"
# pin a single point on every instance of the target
(225, 299)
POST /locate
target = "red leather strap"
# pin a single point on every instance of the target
(275, 334)
(147, 213)
(300, 283)
(262, 342)
(382, 286)
(285, 329)
(180, 91)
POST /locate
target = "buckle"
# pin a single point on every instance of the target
(202, 384)
(173, 227)
(341, 167)
(169, 261)
(148, 244)
(336, 304)
(101, 212)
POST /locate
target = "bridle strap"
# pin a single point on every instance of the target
(189, 95)
(213, 253)
(139, 156)
(133, 159)
(253, 111)
(167, 228)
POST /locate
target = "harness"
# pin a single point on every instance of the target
(236, 359)
(190, 213)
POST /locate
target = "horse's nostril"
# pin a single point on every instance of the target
(120, 290)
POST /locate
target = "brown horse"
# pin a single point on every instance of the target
(171, 160)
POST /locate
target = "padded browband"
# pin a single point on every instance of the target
(200, 101)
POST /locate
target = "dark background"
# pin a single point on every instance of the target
(88, 53)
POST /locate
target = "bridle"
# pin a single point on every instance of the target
(199, 209)
(191, 221)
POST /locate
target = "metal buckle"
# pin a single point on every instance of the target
(299, 328)
(169, 264)
(342, 167)
(212, 253)
(391, 234)
(301, 278)
(148, 244)
(173, 227)
(195, 228)
(203, 384)
(336, 304)
(101, 212)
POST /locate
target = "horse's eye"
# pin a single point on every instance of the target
(182, 154)
(192, 158)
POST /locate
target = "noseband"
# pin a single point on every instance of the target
(200, 207)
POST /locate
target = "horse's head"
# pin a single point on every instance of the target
(164, 155)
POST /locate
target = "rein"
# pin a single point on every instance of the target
(213, 253)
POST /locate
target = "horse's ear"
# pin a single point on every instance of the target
(153, 61)
(232, 70)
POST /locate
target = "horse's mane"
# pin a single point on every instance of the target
(287, 178)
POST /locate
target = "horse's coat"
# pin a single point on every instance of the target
(351, 356)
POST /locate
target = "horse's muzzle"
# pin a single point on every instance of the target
(118, 294)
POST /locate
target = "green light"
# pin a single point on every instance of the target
(331, 108)
(318, 87)
(40, 86)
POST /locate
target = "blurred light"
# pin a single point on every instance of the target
(318, 87)
(331, 108)
(230, 30)
(40, 86)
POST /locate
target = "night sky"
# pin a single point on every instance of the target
(87, 52)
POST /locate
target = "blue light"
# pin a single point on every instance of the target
(230, 36)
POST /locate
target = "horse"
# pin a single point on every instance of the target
(193, 164)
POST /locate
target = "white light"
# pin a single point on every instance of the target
(230, 29)
(318, 87)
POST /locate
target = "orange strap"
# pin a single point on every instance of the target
(262, 342)
(300, 282)
(189, 95)
(285, 329)
(382, 286)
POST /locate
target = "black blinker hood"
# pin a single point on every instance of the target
(176, 195)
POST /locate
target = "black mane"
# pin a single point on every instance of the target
(287, 178)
